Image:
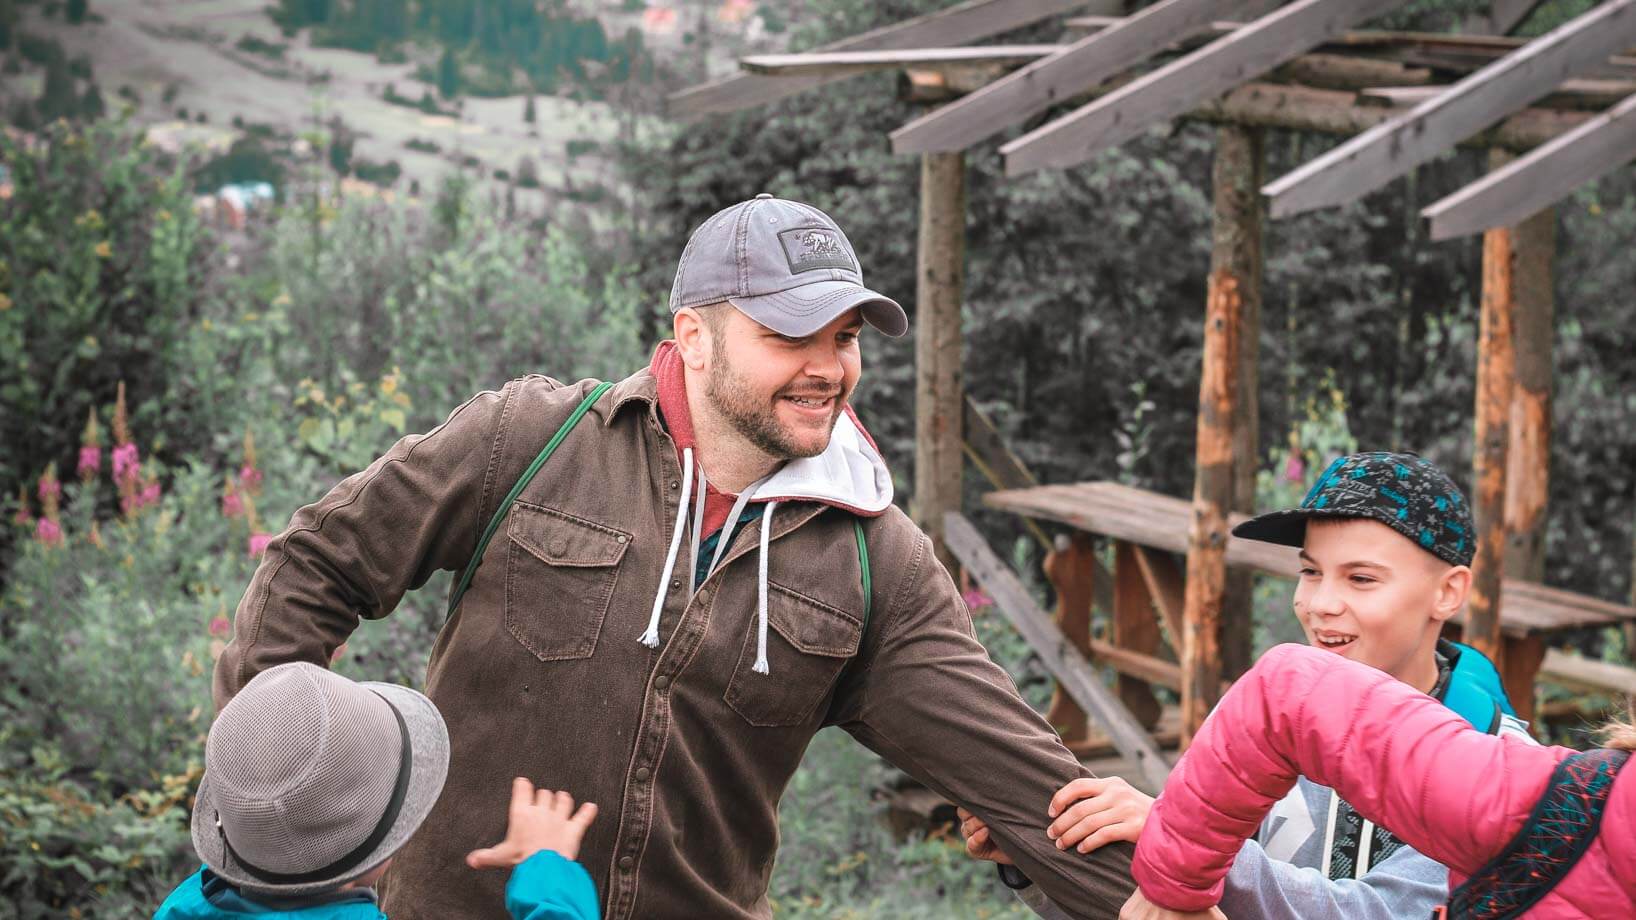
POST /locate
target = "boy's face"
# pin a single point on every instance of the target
(1369, 593)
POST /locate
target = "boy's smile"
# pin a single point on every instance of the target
(1370, 594)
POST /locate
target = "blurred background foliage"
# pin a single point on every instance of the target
(262, 365)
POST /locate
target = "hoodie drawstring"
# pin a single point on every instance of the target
(760, 667)
(651, 637)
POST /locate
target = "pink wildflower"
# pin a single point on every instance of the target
(150, 494)
(48, 532)
(220, 626)
(258, 543)
(50, 488)
(1295, 470)
(232, 504)
(250, 478)
(22, 518)
(90, 462)
(976, 598)
(129, 503)
(126, 463)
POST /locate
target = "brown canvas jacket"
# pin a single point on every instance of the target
(684, 748)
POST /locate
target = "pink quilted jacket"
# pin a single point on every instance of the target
(1398, 756)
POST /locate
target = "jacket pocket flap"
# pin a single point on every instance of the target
(811, 626)
(556, 538)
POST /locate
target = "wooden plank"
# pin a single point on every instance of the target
(1572, 94)
(1165, 587)
(848, 63)
(1175, 88)
(987, 450)
(957, 25)
(1540, 178)
(1068, 666)
(1135, 628)
(1147, 668)
(1528, 459)
(1207, 534)
(1069, 572)
(939, 291)
(1579, 673)
(1496, 369)
(1387, 151)
(1087, 62)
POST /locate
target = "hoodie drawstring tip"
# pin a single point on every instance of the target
(760, 667)
(650, 638)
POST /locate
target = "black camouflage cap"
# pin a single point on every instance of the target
(1406, 492)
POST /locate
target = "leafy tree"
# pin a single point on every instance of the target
(76, 11)
(528, 110)
(58, 99)
(448, 75)
(91, 103)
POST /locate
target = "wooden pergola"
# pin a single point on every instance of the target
(1555, 112)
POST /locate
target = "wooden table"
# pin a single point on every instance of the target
(1149, 529)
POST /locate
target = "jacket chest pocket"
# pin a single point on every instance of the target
(808, 643)
(560, 575)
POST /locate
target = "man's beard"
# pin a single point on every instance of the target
(758, 421)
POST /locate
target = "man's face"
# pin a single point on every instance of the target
(784, 395)
(1368, 593)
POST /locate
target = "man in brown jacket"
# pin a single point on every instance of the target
(675, 688)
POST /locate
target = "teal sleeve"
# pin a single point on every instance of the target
(546, 886)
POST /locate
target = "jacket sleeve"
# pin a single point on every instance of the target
(1398, 756)
(928, 698)
(547, 886)
(1405, 884)
(377, 534)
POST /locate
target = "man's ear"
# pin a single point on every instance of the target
(692, 337)
(1452, 589)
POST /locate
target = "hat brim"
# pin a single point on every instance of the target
(429, 768)
(1289, 527)
(801, 311)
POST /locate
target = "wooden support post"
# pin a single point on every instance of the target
(1528, 459)
(1069, 571)
(1236, 252)
(1496, 371)
(939, 290)
(1212, 495)
(1135, 628)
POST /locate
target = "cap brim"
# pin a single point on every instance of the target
(1288, 527)
(429, 768)
(803, 310)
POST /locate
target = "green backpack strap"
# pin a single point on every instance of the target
(863, 563)
(516, 490)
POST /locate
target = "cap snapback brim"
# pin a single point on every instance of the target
(801, 311)
(1289, 527)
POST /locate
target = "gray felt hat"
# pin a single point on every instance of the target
(312, 780)
(784, 264)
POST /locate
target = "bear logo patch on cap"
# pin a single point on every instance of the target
(808, 248)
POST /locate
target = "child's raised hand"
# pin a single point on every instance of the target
(1092, 812)
(538, 820)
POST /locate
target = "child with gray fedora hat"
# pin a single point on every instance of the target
(312, 782)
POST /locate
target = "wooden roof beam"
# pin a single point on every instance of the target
(1594, 95)
(1229, 61)
(1389, 150)
(1076, 68)
(1531, 183)
(957, 25)
(847, 63)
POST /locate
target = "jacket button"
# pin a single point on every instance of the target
(675, 484)
(625, 863)
(621, 538)
(643, 773)
(661, 682)
(675, 583)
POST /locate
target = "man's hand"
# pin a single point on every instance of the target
(979, 845)
(1090, 813)
(1140, 908)
(539, 820)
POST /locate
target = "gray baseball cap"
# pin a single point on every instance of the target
(784, 264)
(311, 780)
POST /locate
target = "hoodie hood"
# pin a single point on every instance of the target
(850, 474)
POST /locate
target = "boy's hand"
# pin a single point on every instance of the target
(979, 845)
(1140, 908)
(1092, 812)
(539, 820)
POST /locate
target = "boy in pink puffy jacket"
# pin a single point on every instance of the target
(1524, 829)
(1386, 539)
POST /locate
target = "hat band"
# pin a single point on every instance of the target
(362, 851)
